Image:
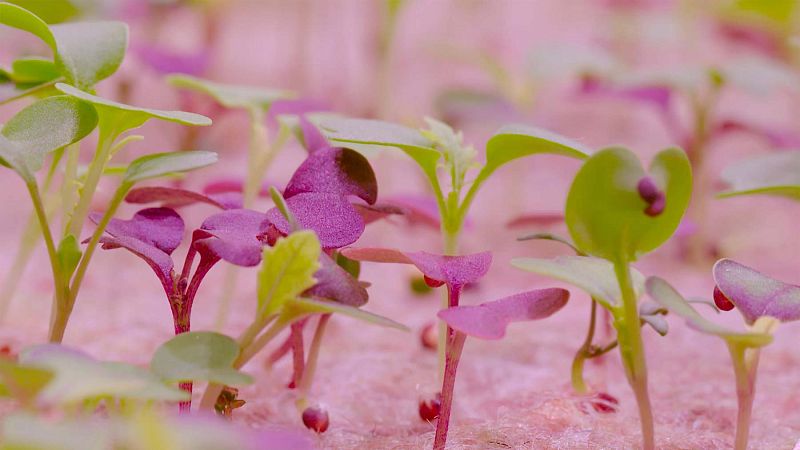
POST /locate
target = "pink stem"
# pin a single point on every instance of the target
(454, 347)
(280, 352)
(182, 326)
(298, 352)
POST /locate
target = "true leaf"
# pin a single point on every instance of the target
(232, 235)
(668, 297)
(605, 213)
(594, 275)
(69, 254)
(161, 164)
(199, 356)
(287, 270)
(229, 95)
(773, 174)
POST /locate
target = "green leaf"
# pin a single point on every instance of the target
(594, 275)
(287, 271)
(605, 213)
(126, 117)
(51, 11)
(33, 70)
(84, 52)
(229, 95)
(773, 174)
(515, 141)
(41, 128)
(304, 306)
(28, 432)
(660, 291)
(22, 382)
(69, 255)
(199, 356)
(78, 377)
(376, 132)
(161, 164)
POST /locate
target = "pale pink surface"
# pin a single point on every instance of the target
(510, 394)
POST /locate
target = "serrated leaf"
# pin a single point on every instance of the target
(515, 141)
(42, 127)
(126, 116)
(231, 95)
(605, 213)
(161, 164)
(69, 255)
(660, 291)
(84, 52)
(375, 132)
(773, 174)
(287, 270)
(199, 356)
(594, 275)
(304, 306)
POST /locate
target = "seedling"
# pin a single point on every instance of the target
(764, 304)
(774, 174)
(487, 321)
(609, 217)
(297, 280)
(440, 146)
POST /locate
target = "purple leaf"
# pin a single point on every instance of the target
(334, 283)
(777, 138)
(331, 216)
(756, 295)
(542, 219)
(161, 228)
(452, 270)
(232, 235)
(656, 95)
(167, 62)
(335, 171)
(171, 197)
(376, 212)
(489, 320)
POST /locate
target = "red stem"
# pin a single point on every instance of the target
(280, 352)
(298, 352)
(454, 347)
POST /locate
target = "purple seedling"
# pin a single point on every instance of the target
(764, 304)
(487, 321)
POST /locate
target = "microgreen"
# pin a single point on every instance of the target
(774, 174)
(487, 321)
(297, 280)
(609, 215)
(763, 302)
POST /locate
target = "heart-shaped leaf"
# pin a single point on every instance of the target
(455, 271)
(84, 52)
(335, 171)
(773, 174)
(375, 132)
(605, 213)
(78, 377)
(668, 297)
(335, 221)
(287, 271)
(489, 320)
(755, 294)
(126, 117)
(232, 235)
(160, 164)
(515, 141)
(229, 95)
(42, 127)
(199, 356)
(593, 275)
(151, 234)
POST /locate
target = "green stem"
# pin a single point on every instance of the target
(745, 370)
(69, 187)
(259, 142)
(631, 349)
(311, 361)
(98, 164)
(578, 383)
